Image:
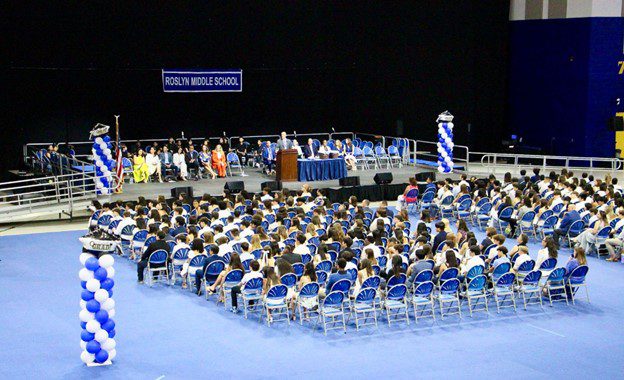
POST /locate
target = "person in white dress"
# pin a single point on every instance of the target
(178, 160)
(153, 163)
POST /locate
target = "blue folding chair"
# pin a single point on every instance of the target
(504, 292)
(343, 286)
(555, 286)
(530, 289)
(157, 266)
(290, 280)
(548, 227)
(252, 292)
(411, 200)
(524, 269)
(449, 294)
(232, 279)
(575, 230)
(448, 274)
(178, 258)
(423, 276)
(364, 307)
(601, 238)
(394, 304)
(426, 201)
(422, 300)
(321, 277)
(307, 301)
(233, 162)
(397, 280)
(446, 207)
(499, 271)
(525, 224)
(104, 221)
(476, 291)
(298, 268)
(575, 280)
(463, 209)
(547, 266)
(275, 305)
(138, 241)
(331, 311)
(483, 216)
(503, 218)
(213, 270)
(126, 236)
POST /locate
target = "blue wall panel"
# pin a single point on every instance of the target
(563, 83)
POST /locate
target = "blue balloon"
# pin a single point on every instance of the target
(109, 325)
(83, 325)
(111, 334)
(83, 284)
(101, 356)
(106, 138)
(92, 263)
(93, 346)
(110, 292)
(107, 284)
(86, 295)
(93, 306)
(87, 336)
(100, 273)
(101, 316)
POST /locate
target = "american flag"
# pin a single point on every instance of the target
(119, 158)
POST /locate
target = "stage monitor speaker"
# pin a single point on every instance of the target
(422, 177)
(349, 181)
(234, 187)
(272, 185)
(383, 178)
(616, 123)
(176, 191)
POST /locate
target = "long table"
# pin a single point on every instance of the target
(321, 170)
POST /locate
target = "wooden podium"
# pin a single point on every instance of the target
(286, 168)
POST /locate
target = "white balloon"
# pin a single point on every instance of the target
(108, 305)
(85, 315)
(104, 191)
(440, 169)
(93, 284)
(101, 295)
(99, 185)
(450, 125)
(111, 272)
(85, 274)
(111, 313)
(103, 145)
(440, 149)
(93, 326)
(106, 261)
(83, 304)
(83, 344)
(112, 354)
(99, 140)
(83, 257)
(451, 145)
(107, 152)
(101, 336)
(109, 344)
(86, 357)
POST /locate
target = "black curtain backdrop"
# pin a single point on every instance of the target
(307, 66)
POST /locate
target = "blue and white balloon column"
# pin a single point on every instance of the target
(104, 164)
(445, 142)
(98, 309)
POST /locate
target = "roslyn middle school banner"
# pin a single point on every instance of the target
(202, 80)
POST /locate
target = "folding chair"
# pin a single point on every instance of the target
(157, 266)
(555, 286)
(343, 286)
(503, 217)
(103, 222)
(395, 156)
(601, 238)
(575, 230)
(233, 162)
(126, 236)
(422, 300)
(499, 271)
(448, 274)
(449, 294)
(547, 266)
(324, 266)
(411, 200)
(252, 292)
(331, 311)
(298, 268)
(476, 291)
(524, 269)
(530, 289)
(307, 300)
(483, 216)
(525, 224)
(364, 307)
(426, 200)
(504, 292)
(232, 279)
(548, 228)
(446, 207)
(138, 241)
(178, 258)
(423, 276)
(394, 304)
(382, 157)
(575, 280)
(275, 304)
(463, 210)
(213, 270)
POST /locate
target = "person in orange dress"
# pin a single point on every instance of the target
(218, 161)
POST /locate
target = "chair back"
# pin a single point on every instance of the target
(449, 274)
(526, 266)
(197, 261)
(413, 193)
(506, 213)
(181, 254)
(604, 232)
(309, 290)
(548, 264)
(366, 295)
(488, 249)
(321, 277)
(341, 286)
(158, 257)
(382, 261)
(474, 272)
(428, 196)
(465, 205)
(306, 258)
(246, 265)
(550, 221)
(424, 289)
(396, 292)
(423, 276)
(501, 269)
(253, 286)
(352, 274)
(126, 232)
(396, 280)
(546, 214)
(576, 227)
(532, 278)
(556, 275)
(449, 286)
(149, 241)
(485, 209)
(577, 276)
(289, 279)
(528, 217)
(333, 299)
(441, 247)
(257, 253)
(277, 292)
(477, 283)
(324, 266)
(372, 282)
(298, 268)
(215, 267)
(233, 276)
(614, 222)
(446, 201)
(103, 221)
(506, 280)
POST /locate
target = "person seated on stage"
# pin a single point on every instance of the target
(296, 146)
(283, 142)
(269, 158)
(160, 243)
(324, 149)
(348, 152)
(218, 161)
(153, 163)
(140, 171)
(192, 160)
(179, 162)
(241, 150)
(310, 151)
(166, 161)
(223, 141)
(204, 160)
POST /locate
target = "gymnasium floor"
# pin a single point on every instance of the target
(167, 333)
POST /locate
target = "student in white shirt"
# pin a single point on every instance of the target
(523, 256)
(300, 245)
(254, 272)
(473, 261)
(369, 243)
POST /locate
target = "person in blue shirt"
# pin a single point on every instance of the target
(269, 157)
(335, 277)
(570, 217)
(424, 262)
(501, 257)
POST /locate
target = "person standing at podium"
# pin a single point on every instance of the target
(283, 142)
(309, 151)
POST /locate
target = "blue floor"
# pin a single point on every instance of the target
(173, 333)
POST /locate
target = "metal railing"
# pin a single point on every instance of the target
(492, 161)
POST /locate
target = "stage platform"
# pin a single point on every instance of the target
(253, 180)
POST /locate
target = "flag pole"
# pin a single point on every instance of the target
(119, 187)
